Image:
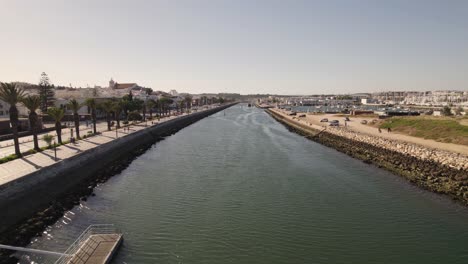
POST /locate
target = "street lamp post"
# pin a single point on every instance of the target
(55, 150)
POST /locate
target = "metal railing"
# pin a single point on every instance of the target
(32, 250)
(79, 243)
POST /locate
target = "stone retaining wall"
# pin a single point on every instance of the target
(454, 160)
(434, 170)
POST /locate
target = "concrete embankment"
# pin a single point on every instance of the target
(422, 171)
(21, 198)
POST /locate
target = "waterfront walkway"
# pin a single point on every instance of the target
(26, 143)
(17, 168)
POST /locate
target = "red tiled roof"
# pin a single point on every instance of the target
(123, 85)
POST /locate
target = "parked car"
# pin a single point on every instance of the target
(324, 120)
(302, 115)
(364, 122)
(334, 124)
(292, 113)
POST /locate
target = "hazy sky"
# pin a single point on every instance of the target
(251, 46)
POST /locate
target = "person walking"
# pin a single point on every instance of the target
(389, 130)
(380, 130)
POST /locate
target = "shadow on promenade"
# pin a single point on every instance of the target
(31, 163)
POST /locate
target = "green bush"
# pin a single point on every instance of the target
(447, 111)
(48, 139)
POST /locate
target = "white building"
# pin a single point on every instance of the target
(114, 89)
(5, 110)
(437, 98)
(173, 93)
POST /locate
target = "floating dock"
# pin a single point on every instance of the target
(96, 245)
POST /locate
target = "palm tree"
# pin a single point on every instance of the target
(75, 107)
(91, 103)
(57, 114)
(117, 107)
(181, 106)
(33, 102)
(12, 95)
(188, 102)
(125, 103)
(165, 102)
(107, 107)
(151, 104)
(143, 108)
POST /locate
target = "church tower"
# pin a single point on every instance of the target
(111, 84)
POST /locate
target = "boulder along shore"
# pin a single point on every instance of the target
(447, 177)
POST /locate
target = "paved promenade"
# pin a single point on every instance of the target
(26, 143)
(20, 167)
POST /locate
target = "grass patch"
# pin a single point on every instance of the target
(442, 129)
(8, 158)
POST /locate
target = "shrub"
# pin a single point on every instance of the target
(446, 111)
(48, 139)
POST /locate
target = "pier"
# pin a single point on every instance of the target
(96, 245)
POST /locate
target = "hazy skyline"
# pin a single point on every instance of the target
(248, 47)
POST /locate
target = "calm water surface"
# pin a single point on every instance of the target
(241, 188)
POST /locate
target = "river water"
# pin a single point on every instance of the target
(238, 187)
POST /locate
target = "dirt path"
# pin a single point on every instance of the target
(355, 125)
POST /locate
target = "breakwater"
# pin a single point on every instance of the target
(439, 172)
(32, 202)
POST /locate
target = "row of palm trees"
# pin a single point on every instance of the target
(13, 95)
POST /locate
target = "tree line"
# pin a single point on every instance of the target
(126, 108)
